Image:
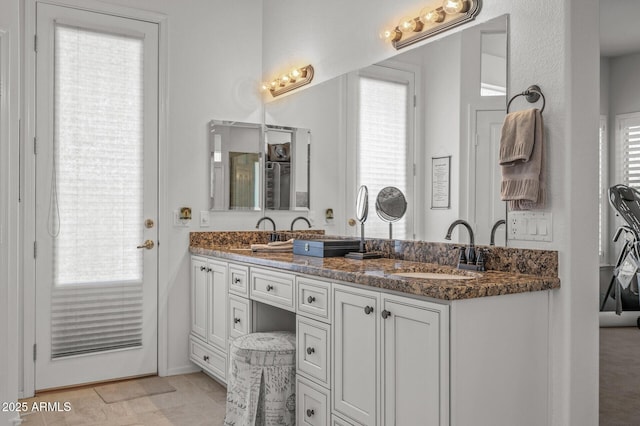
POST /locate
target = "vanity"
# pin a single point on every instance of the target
(378, 348)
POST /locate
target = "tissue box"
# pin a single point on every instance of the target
(325, 248)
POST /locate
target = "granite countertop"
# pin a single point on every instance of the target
(379, 273)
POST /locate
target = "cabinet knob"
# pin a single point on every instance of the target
(209, 269)
(236, 320)
(206, 357)
(386, 314)
(269, 287)
(310, 413)
(203, 268)
(311, 299)
(310, 351)
(237, 280)
(368, 310)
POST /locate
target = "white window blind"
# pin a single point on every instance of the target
(96, 198)
(629, 128)
(602, 190)
(382, 146)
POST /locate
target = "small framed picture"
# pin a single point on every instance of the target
(441, 182)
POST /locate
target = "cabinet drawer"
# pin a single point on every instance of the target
(211, 360)
(272, 288)
(313, 350)
(337, 421)
(239, 280)
(312, 404)
(239, 316)
(313, 298)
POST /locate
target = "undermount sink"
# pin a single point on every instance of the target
(433, 276)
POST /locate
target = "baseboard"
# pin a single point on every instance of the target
(185, 369)
(626, 319)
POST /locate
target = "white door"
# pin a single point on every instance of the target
(96, 186)
(488, 207)
(411, 364)
(356, 360)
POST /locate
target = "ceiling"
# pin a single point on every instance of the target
(619, 27)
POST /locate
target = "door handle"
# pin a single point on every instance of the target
(147, 245)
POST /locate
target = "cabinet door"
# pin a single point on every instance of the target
(411, 358)
(239, 316)
(356, 354)
(199, 277)
(217, 330)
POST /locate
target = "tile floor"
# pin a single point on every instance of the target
(198, 400)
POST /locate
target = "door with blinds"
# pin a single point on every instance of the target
(96, 197)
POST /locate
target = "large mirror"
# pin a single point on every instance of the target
(388, 125)
(239, 179)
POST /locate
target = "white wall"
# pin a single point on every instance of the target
(553, 44)
(9, 116)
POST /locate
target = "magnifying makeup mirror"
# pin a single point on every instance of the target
(362, 212)
(391, 206)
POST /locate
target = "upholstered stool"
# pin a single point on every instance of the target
(261, 385)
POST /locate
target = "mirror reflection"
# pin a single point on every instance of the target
(382, 125)
(237, 176)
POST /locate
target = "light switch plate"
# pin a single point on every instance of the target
(530, 226)
(204, 219)
(180, 223)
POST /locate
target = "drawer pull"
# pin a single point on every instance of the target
(310, 351)
(386, 314)
(206, 357)
(269, 287)
(203, 268)
(310, 413)
(368, 310)
(236, 320)
(311, 299)
(237, 281)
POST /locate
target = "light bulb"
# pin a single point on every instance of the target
(407, 25)
(428, 15)
(284, 79)
(295, 74)
(274, 85)
(265, 86)
(455, 6)
(390, 34)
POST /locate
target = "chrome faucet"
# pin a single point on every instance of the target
(467, 260)
(494, 229)
(300, 218)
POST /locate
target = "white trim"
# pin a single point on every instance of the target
(185, 369)
(28, 312)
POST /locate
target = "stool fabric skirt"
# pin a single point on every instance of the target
(261, 385)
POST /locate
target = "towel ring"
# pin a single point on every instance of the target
(532, 95)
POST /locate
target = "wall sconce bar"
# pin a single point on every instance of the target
(432, 20)
(287, 82)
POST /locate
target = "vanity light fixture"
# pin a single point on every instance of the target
(433, 19)
(286, 82)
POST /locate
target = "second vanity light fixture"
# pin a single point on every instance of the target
(286, 82)
(433, 19)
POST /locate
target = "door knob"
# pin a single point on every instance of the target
(147, 245)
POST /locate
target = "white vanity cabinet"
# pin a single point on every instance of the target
(208, 340)
(390, 358)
